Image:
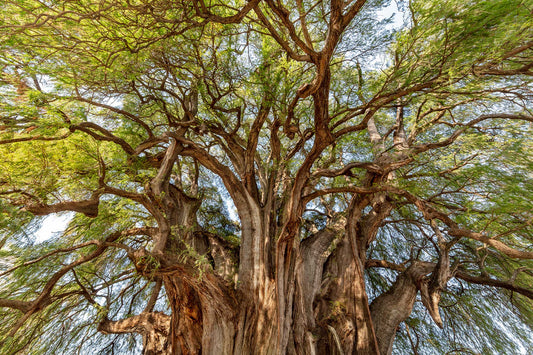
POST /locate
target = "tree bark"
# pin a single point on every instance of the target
(210, 315)
(154, 328)
(394, 306)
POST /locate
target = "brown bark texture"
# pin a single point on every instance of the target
(285, 283)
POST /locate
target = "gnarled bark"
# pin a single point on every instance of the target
(154, 328)
(394, 306)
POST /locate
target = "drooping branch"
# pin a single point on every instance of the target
(88, 207)
(45, 298)
(495, 67)
(454, 229)
(147, 231)
(394, 306)
(459, 274)
(430, 289)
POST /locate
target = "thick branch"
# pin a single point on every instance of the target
(495, 243)
(142, 323)
(163, 175)
(290, 52)
(459, 274)
(22, 306)
(487, 281)
(283, 15)
(88, 207)
(394, 306)
(251, 147)
(105, 135)
(346, 170)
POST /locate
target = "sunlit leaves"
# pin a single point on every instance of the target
(91, 90)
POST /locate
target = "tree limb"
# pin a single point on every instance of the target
(459, 274)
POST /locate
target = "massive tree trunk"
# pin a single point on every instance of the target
(323, 308)
(308, 299)
(176, 112)
(209, 316)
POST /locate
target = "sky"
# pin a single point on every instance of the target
(52, 224)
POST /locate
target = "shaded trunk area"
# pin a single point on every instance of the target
(269, 295)
(326, 307)
(206, 319)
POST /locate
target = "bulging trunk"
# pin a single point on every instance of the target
(289, 296)
(320, 312)
(213, 323)
(206, 319)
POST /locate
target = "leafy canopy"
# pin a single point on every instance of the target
(91, 89)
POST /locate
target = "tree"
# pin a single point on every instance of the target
(267, 177)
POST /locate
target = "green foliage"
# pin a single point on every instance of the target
(85, 82)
